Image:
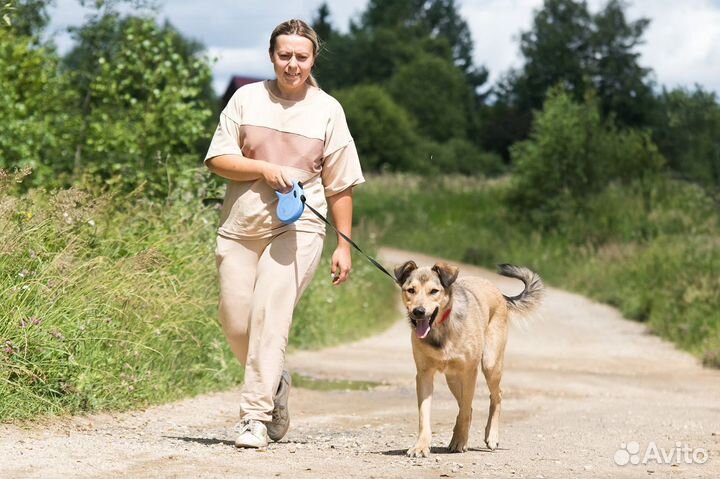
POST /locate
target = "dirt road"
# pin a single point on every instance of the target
(584, 390)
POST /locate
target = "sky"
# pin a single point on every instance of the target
(682, 43)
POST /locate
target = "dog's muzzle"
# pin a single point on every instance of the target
(421, 322)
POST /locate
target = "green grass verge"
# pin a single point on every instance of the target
(110, 303)
(660, 266)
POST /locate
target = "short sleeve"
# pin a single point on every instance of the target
(341, 164)
(226, 140)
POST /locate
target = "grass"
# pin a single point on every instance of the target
(110, 303)
(661, 267)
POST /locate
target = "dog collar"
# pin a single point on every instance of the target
(445, 316)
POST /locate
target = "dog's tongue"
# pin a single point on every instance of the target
(423, 328)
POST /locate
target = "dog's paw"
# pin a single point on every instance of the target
(492, 441)
(458, 444)
(419, 450)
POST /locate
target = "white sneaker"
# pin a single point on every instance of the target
(278, 427)
(252, 434)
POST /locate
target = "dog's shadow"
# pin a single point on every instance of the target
(437, 450)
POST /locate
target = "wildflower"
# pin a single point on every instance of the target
(55, 333)
(24, 273)
(10, 347)
(36, 321)
(91, 222)
(23, 324)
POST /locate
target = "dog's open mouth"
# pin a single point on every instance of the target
(423, 326)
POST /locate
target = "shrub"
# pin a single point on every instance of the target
(573, 154)
(384, 133)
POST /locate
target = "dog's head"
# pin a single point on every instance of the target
(425, 292)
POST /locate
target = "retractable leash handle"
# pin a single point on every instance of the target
(291, 204)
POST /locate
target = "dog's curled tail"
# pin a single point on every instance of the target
(531, 296)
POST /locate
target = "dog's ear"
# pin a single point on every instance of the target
(447, 273)
(403, 271)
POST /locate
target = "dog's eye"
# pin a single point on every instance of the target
(410, 291)
(434, 291)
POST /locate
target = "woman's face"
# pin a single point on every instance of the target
(293, 61)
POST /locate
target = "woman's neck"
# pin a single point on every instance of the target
(292, 95)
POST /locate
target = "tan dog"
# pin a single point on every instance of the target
(459, 327)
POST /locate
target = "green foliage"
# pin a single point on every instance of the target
(110, 301)
(36, 103)
(387, 139)
(26, 18)
(361, 58)
(436, 94)
(106, 303)
(384, 133)
(687, 131)
(328, 315)
(571, 155)
(568, 45)
(143, 111)
(459, 156)
(421, 52)
(668, 279)
(585, 53)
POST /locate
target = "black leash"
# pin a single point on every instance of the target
(372, 260)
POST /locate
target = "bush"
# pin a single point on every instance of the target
(144, 111)
(460, 156)
(36, 103)
(573, 154)
(687, 130)
(384, 133)
(436, 93)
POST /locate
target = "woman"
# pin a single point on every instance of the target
(271, 133)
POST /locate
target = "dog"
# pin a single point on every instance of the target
(460, 326)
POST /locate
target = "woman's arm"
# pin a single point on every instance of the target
(341, 207)
(239, 168)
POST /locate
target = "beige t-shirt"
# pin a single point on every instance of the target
(310, 137)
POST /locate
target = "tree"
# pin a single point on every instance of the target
(687, 129)
(390, 33)
(556, 50)
(384, 133)
(36, 104)
(26, 18)
(144, 104)
(436, 94)
(321, 23)
(569, 46)
(621, 83)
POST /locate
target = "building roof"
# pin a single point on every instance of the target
(236, 82)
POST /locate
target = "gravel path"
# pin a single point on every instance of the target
(583, 390)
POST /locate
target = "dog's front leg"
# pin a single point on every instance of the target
(424, 385)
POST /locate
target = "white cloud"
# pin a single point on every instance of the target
(681, 43)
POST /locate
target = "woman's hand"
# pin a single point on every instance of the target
(341, 263)
(276, 177)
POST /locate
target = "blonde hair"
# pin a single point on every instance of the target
(297, 27)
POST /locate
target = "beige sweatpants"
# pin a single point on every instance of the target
(261, 281)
